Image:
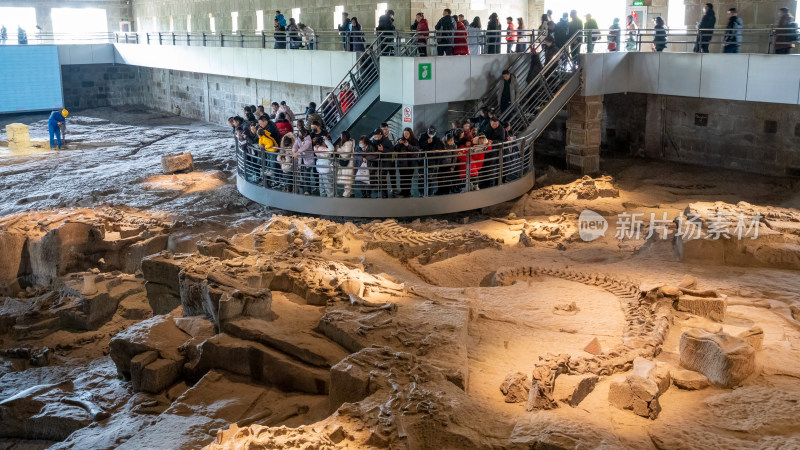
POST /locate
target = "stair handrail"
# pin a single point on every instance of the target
(541, 91)
(354, 84)
(490, 98)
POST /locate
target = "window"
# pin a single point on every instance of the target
(296, 14)
(676, 15)
(78, 20)
(189, 23)
(23, 17)
(477, 5)
(234, 21)
(260, 20)
(337, 16)
(382, 7)
(212, 23)
(171, 24)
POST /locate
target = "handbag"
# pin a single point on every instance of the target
(362, 176)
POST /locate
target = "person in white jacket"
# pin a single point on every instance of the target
(324, 151)
(308, 35)
(346, 170)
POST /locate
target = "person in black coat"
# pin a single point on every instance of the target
(561, 35)
(407, 150)
(733, 34)
(429, 143)
(705, 29)
(385, 31)
(445, 29)
(496, 135)
(493, 30)
(660, 38)
(385, 162)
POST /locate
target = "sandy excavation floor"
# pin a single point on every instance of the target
(143, 310)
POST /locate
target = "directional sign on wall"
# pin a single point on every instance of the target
(425, 71)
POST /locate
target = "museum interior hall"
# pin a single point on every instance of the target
(483, 224)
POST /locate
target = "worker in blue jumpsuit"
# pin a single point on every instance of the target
(54, 126)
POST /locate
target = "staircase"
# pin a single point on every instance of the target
(354, 104)
(541, 99)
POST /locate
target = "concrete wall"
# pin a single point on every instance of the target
(751, 77)
(199, 96)
(317, 68)
(453, 79)
(749, 136)
(116, 10)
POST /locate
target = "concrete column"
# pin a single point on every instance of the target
(584, 130)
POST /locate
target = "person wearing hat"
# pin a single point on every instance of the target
(385, 161)
(593, 34)
(429, 142)
(57, 118)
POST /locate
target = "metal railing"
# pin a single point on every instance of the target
(57, 38)
(745, 40)
(411, 43)
(413, 173)
(409, 171)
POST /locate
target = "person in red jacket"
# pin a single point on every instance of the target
(460, 41)
(346, 98)
(475, 159)
(283, 125)
(511, 36)
(420, 25)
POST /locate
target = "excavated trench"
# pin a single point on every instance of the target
(142, 310)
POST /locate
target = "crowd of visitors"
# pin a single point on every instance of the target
(301, 157)
(456, 35)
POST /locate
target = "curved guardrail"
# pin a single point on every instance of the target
(408, 182)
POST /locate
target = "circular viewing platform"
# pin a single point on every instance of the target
(386, 184)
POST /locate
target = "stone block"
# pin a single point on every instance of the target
(725, 360)
(711, 307)
(158, 333)
(159, 375)
(584, 164)
(584, 137)
(572, 389)
(262, 364)
(18, 136)
(161, 298)
(639, 390)
(689, 380)
(11, 259)
(754, 336)
(349, 384)
(177, 163)
(138, 363)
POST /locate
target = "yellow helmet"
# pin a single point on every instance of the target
(64, 112)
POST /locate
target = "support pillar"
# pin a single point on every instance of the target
(584, 125)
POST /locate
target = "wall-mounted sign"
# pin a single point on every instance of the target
(408, 115)
(638, 3)
(425, 71)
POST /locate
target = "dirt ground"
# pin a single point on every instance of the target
(453, 328)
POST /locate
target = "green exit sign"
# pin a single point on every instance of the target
(638, 3)
(425, 71)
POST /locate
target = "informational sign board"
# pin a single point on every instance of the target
(639, 14)
(408, 115)
(425, 71)
(30, 78)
